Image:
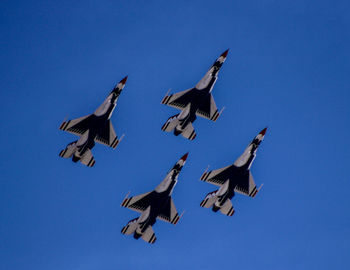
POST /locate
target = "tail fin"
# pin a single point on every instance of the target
(88, 159)
(149, 235)
(171, 123)
(130, 227)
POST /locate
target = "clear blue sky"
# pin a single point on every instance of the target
(288, 69)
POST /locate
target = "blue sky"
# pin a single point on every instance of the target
(287, 69)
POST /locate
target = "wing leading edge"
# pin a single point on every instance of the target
(137, 203)
(178, 100)
(77, 126)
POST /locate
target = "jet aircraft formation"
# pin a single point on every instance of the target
(158, 204)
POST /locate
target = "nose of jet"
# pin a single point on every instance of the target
(224, 54)
(184, 157)
(123, 81)
(263, 131)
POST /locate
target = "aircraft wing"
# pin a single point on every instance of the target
(216, 177)
(178, 100)
(107, 135)
(247, 186)
(169, 213)
(138, 203)
(77, 126)
(208, 109)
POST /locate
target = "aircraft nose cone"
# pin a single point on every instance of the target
(123, 81)
(224, 54)
(263, 131)
(184, 157)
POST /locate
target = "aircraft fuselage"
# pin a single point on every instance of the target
(97, 123)
(188, 115)
(159, 199)
(235, 176)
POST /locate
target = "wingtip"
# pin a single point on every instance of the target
(224, 54)
(263, 131)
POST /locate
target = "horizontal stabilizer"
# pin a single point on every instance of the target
(189, 132)
(88, 159)
(210, 199)
(171, 123)
(149, 236)
(227, 208)
(68, 152)
(130, 227)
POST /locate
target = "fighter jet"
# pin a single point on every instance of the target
(152, 205)
(96, 127)
(196, 101)
(233, 178)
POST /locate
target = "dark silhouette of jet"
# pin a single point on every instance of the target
(154, 205)
(197, 101)
(233, 178)
(96, 127)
